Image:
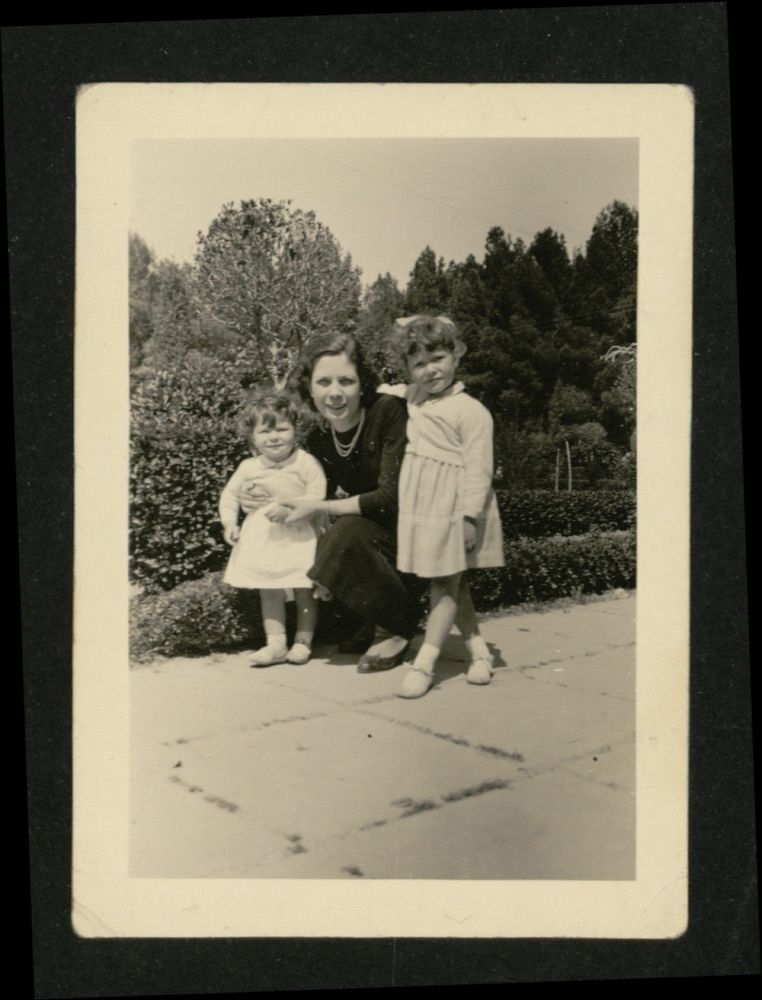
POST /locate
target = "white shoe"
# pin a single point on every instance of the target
(416, 683)
(480, 672)
(267, 656)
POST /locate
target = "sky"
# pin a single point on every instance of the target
(384, 200)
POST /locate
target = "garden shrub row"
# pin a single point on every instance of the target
(539, 513)
(543, 569)
(204, 615)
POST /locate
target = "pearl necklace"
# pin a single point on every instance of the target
(345, 450)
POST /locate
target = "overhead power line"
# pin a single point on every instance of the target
(410, 191)
(476, 194)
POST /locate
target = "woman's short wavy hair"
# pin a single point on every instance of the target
(334, 344)
(265, 407)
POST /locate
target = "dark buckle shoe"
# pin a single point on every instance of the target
(370, 663)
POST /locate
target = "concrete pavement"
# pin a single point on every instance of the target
(317, 771)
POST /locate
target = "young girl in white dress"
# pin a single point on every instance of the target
(448, 516)
(267, 555)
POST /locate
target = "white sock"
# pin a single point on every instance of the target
(427, 657)
(478, 648)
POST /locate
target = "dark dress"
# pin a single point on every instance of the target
(356, 557)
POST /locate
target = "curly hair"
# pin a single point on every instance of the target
(264, 408)
(411, 334)
(333, 343)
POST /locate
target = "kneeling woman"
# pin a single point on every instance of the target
(360, 445)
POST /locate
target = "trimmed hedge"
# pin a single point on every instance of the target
(184, 445)
(201, 616)
(544, 569)
(206, 615)
(195, 618)
(539, 513)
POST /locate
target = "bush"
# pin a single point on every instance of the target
(195, 618)
(204, 615)
(547, 568)
(184, 445)
(542, 513)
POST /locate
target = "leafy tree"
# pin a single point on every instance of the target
(174, 317)
(578, 355)
(568, 407)
(274, 276)
(427, 288)
(618, 390)
(548, 248)
(383, 302)
(594, 455)
(467, 300)
(141, 262)
(538, 300)
(612, 250)
(523, 459)
(605, 276)
(502, 295)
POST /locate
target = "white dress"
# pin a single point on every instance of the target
(267, 555)
(446, 475)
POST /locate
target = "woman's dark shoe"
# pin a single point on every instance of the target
(358, 642)
(371, 663)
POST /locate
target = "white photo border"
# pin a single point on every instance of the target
(106, 902)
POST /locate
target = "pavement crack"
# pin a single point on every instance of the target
(188, 741)
(215, 800)
(536, 772)
(607, 648)
(448, 737)
(498, 752)
(413, 807)
(613, 786)
(486, 786)
(290, 718)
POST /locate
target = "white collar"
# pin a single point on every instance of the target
(417, 395)
(414, 394)
(268, 463)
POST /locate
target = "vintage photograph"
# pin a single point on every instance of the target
(382, 434)
(380, 499)
(383, 508)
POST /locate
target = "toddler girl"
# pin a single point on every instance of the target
(448, 517)
(268, 555)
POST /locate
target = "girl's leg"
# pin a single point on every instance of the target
(465, 620)
(480, 670)
(274, 618)
(443, 610)
(306, 619)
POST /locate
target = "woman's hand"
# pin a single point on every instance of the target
(232, 533)
(277, 513)
(300, 509)
(253, 495)
(469, 534)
